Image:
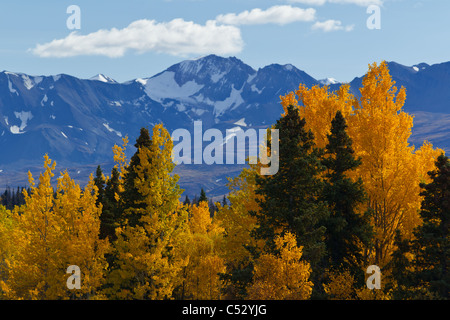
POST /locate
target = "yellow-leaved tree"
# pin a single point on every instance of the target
(147, 254)
(235, 219)
(238, 224)
(283, 276)
(391, 167)
(6, 248)
(52, 231)
(201, 279)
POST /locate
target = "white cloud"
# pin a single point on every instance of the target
(331, 25)
(309, 2)
(363, 3)
(277, 14)
(177, 37)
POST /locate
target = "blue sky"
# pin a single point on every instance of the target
(139, 38)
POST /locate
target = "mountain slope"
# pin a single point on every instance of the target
(77, 121)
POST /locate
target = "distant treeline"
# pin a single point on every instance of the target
(11, 197)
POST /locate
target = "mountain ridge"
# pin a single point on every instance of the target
(77, 121)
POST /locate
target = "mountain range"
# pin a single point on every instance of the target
(77, 121)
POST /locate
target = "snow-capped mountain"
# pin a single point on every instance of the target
(328, 81)
(103, 78)
(77, 121)
(216, 90)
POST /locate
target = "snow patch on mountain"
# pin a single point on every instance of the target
(180, 107)
(198, 112)
(30, 82)
(15, 130)
(202, 99)
(217, 76)
(164, 86)
(328, 81)
(11, 89)
(288, 67)
(116, 103)
(102, 78)
(141, 81)
(44, 100)
(118, 133)
(233, 101)
(255, 89)
(251, 77)
(24, 117)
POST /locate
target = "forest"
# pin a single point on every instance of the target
(351, 192)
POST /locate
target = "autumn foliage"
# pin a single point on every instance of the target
(351, 192)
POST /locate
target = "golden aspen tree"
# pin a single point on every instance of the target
(79, 218)
(238, 225)
(31, 273)
(201, 274)
(391, 168)
(148, 258)
(380, 130)
(319, 106)
(235, 219)
(6, 249)
(120, 157)
(424, 161)
(340, 286)
(283, 276)
(121, 161)
(52, 233)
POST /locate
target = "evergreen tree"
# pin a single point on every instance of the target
(202, 196)
(131, 198)
(400, 279)
(224, 201)
(290, 199)
(21, 197)
(429, 277)
(99, 182)
(11, 198)
(212, 208)
(187, 201)
(148, 251)
(111, 213)
(6, 197)
(346, 228)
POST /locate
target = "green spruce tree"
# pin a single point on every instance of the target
(187, 201)
(111, 216)
(426, 275)
(131, 198)
(400, 280)
(432, 238)
(224, 201)
(202, 196)
(99, 182)
(291, 198)
(347, 230)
